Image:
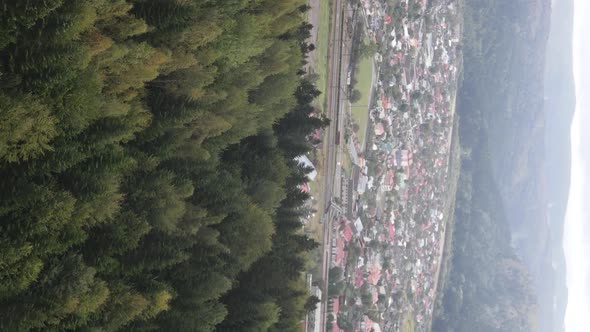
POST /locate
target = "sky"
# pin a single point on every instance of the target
(577, 220)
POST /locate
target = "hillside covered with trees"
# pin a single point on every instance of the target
(501, 197)
(488, 288)
(147, 179)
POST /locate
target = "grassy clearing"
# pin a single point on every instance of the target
(408, 324)
(321, 65)
(320, 68)
(313, 227)
(346, 162)
(360, 109)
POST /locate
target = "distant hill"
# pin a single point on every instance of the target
(503, 99)
(560, 103)
(488, 287)
(502, 190)
(531, 154)
(520, 55)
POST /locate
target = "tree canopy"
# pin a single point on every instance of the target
(147, 179)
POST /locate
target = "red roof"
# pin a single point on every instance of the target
(340, 254)
(335, 310)
(317, 134)
(374, 274)
(304, 188)
(390, 180)
(347, 233)
(368, 324)
(358, 279)
(391, 229)
(379, 130)
(438, 95)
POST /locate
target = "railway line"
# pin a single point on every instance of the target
(335, 97)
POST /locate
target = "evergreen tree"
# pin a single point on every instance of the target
(146, 165)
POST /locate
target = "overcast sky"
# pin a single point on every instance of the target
(577, 220)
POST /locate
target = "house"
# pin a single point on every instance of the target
(384, 101)
(401, 181)
(370, 184)
(340, 253)
(335, 311)
(391, 231)
(358, 225)
(304, 188)
(402, 158)
(387, 20)
(362, 184)
(379, 129)
(314, 320)
(390, 178)
(304, 161)
(347, 232)
(385, 188)
(374, 274)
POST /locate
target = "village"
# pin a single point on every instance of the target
(386, 245)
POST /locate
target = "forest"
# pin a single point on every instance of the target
(147, 179)
(489, 286)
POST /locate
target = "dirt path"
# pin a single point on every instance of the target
(375, 79)
(313, 17)
(450, 140)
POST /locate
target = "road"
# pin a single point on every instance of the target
(453, 110)
(337, 63)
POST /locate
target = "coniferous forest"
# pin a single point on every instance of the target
(147, 180)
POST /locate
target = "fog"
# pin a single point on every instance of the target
(577, 221)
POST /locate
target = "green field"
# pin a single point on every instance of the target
(360, 109)
(346, 161)
(408, 323)
(321, 65)
(319, 68)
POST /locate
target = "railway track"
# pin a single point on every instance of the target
(333, 157)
